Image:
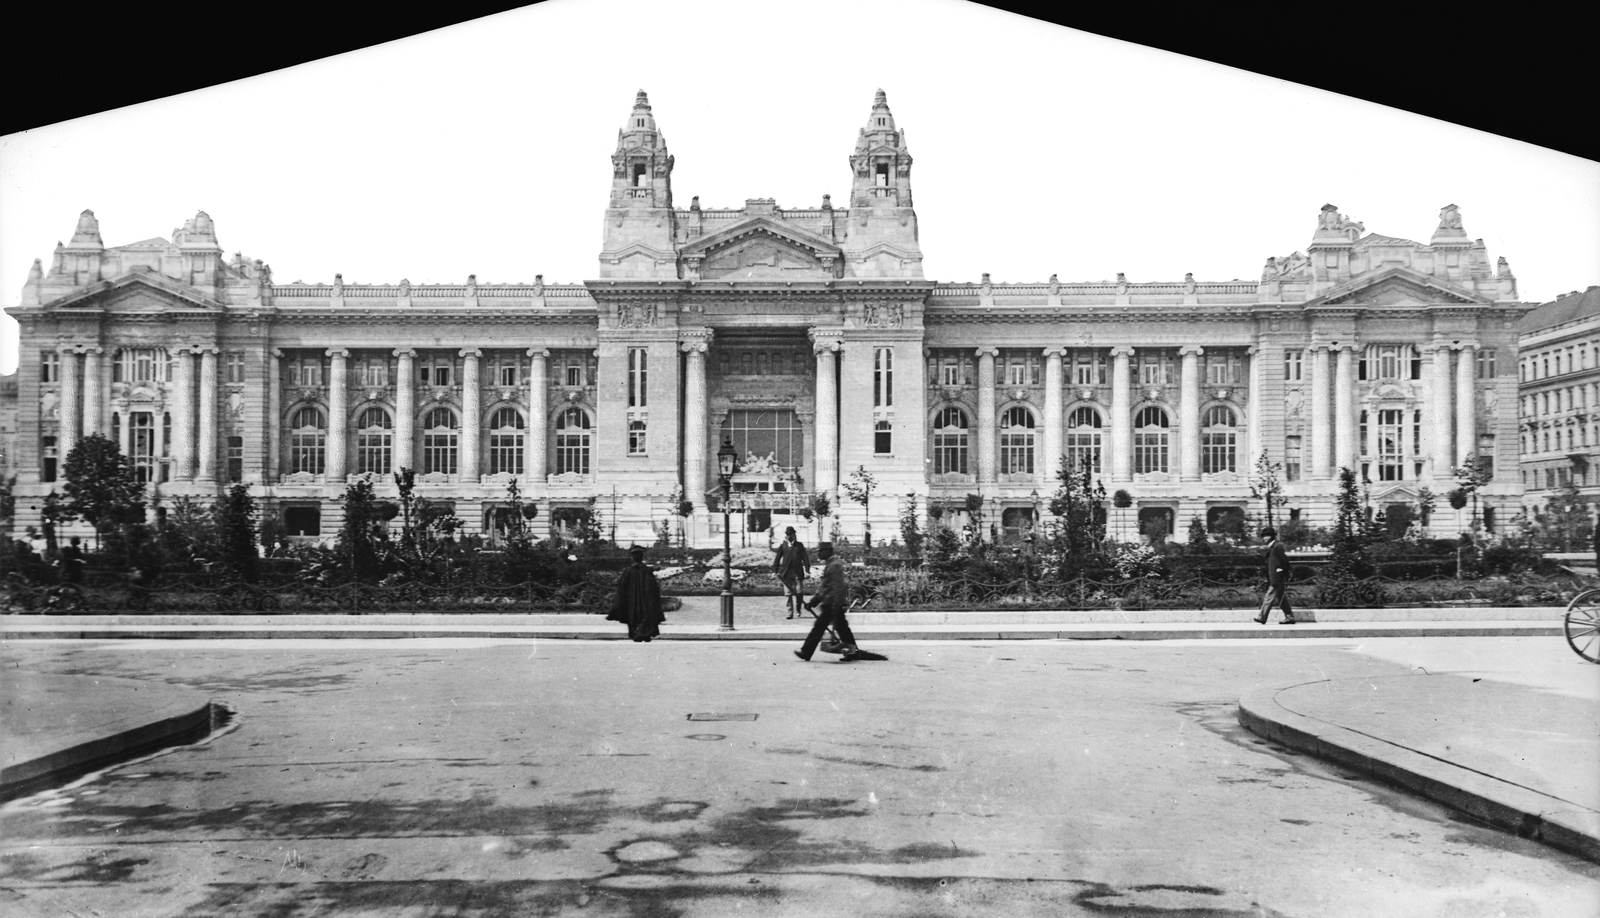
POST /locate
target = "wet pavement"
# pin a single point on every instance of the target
(567, 777)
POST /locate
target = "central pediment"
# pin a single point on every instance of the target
(138, 293)
(1397, 287)
(762, 248)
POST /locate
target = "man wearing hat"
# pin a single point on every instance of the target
(792, 566)
(638, 602)
(832, 595)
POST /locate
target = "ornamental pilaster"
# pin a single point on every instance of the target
(1052, 414)
(207, 466)
(1189, 412)
(1467, 403)
(471, 411)
(183, 417)
(986, 411)
(538, 417)
(405, 409)
(1121, 414)
(338, 413)
(1344, 411)
(696, 418)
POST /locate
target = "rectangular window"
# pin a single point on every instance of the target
(883, 437)
(1293, 365)
(954, 372)
(307, 452)
(373, 452)
(882, 377)
(574, 375)
(1088, 368)
(1154, 368)
(233, 362)
(1391, 442)
(638, 377)
(374, 372)
(49, 367)
(1486, 454)
(1486, 363)
(508, 372)
(236, 458)
(1291, 458)
(1222, 369)
(1388, 362)
(47, 459)
(505, 453)
(439, 453)
(638, 437)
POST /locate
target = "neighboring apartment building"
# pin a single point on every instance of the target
(808, 338)
(1559, 394)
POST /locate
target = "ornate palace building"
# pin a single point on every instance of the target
(806, 337)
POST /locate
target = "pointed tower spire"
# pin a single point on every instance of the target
(880, 200)
(88, 232)
(641, 197)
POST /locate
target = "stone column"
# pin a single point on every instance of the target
(1052, 417)
(405, 410)
(1121, 414)
(827, 459)
(183, 417)
(274, 412)
(1467, 403)
(1253, 444)
(125, 439)
(1344, 416)
(536, 456)
(471, 411)
(1189, 412)
(1321, 389)
(71, 419)
(207, 466)
(1441, 403)
(985, 428)
(93, 388)
(695, 419)
(338, 415)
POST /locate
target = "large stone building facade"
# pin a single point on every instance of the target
(1560, 397)
(807, 337)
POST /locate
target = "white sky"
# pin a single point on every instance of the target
(485, 149)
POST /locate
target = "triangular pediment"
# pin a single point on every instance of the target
(1398, 287)
(762, 247)
(137, 293)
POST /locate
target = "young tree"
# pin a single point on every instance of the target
(1565, 523)
(101, 487)
(910, 528)
(821, 509)
(358, 540)
(1266, 484)
(1471, 475)
(1078, 506)
(1199, 541)
(1348, 559)
(860, 488)
(236, 522)
(1122, 500)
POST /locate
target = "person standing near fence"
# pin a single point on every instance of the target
(1277, 579)
(792, 565)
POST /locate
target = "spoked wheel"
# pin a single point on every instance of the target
(1582, 625)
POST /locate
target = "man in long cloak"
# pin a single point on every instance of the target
(638, 602)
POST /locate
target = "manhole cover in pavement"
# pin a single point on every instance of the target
(723, 716)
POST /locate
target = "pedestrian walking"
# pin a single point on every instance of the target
(792, 565)
(832, 595)
(72, 562)
(1277, 579)
(638, 601)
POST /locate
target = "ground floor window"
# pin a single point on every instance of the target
(1156, 523)
(302, 520)
(773, 434)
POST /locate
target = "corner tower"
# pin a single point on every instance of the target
(639, 221)
(881, 240)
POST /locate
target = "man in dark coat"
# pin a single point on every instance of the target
(1277, 579)
(792, 566)
(72, 562)
(638, 602)
(833, 595)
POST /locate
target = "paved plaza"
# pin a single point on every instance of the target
(483, 777)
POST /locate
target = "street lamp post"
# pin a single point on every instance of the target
(725, 460)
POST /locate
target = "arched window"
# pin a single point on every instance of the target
(308, 441)
(505, 442)
(1016, 441)
(1150, 440)
(440, 441)
(1083, 438)
(572, 442)
(950, 442)
(1219, 441)
(374, 441)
